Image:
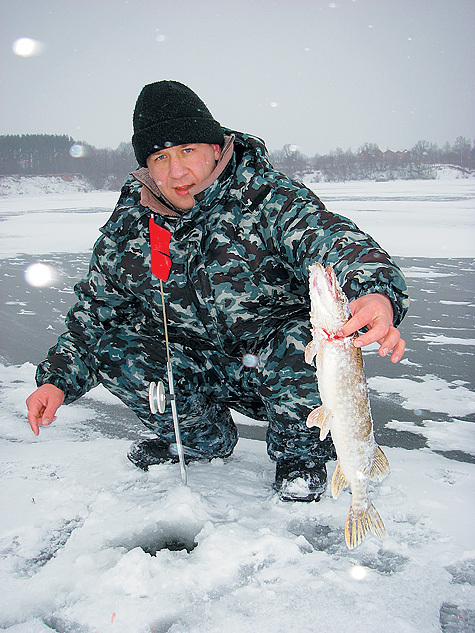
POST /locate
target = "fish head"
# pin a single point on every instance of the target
(330, 309)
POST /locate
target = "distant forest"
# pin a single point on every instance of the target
(46, 154)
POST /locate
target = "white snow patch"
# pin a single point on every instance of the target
(441, 339)
(429, 393)
(455, 303)
(421, 272)
(437, 433)
(406, 361)
(43, 185)
(101, 394)
(60, 233)
(58, 223)
(452, 172)
(423, 218)
(240, 418)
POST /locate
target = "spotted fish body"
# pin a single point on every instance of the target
(345, 410)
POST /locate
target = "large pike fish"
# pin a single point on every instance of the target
(345, 410)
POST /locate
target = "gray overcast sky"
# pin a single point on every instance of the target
(314, 73)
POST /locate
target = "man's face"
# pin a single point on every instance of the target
(176, 169)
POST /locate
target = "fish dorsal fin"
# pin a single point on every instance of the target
(380, 467)
(339, 481)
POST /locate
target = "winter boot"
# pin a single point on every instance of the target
(145, 453)
(300, 479)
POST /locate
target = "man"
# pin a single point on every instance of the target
(232, 239)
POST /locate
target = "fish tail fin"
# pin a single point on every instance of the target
(380, 467)
(359, 522)
(339, 481)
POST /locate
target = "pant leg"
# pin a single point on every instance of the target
(289, 391)
(126, 364)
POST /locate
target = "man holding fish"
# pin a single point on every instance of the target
(232, 240)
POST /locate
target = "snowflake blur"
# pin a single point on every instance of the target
(358, 572)
(250, 360)
(77, 150)
(40, 275)
(27, 47)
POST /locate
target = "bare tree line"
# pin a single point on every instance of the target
(47, 154)
(369, 162)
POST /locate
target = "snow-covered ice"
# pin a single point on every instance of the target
(90, 544)
(82, 532)
(433, 218)
(62, 223)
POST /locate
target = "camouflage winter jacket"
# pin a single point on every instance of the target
(239, 270)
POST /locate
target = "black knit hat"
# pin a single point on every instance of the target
(168, 113)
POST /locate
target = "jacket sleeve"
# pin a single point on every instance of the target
(303, 231)
(102, 304)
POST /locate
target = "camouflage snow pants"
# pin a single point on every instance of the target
(282, 390)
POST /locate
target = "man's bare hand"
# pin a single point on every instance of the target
(376, 313)
(42, 406)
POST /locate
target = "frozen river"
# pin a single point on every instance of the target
(428, 226)
(85, 537)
